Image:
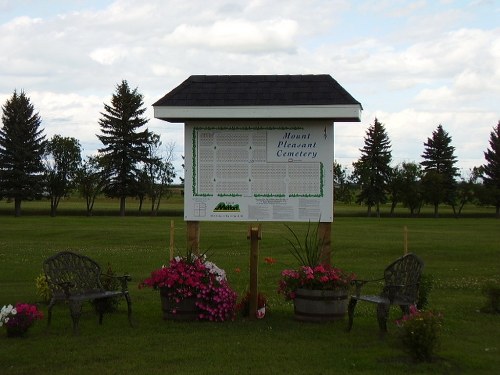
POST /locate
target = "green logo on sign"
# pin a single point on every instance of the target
(227, 207)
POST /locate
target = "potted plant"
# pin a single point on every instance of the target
(319, 291)
(18, 319)
(193, 288)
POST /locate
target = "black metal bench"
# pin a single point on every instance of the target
(75, 278)
(401, 282)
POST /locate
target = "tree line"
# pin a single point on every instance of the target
(130, 163)
(435, 180)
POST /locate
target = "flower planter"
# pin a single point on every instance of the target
(185, 310)
(16, 331)
(320, 305)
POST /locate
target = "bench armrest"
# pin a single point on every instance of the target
(358, 284)
(124, 279)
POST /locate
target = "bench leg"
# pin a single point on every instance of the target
(382, 315)
(100, 304)
(129, 309)
(49, 312)
(350, 311)
(76, 311)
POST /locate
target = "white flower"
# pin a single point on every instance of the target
(219, 273)
(6, 312)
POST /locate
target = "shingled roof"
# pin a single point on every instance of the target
(204, 94)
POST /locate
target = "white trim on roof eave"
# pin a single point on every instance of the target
(352, 111)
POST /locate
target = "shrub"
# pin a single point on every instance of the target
(492, 292)
(42, 288)
(420, 333)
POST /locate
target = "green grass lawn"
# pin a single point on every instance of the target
(461, 254)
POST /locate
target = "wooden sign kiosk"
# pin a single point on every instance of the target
(258, 148)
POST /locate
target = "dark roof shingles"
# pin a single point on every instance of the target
(257, 90)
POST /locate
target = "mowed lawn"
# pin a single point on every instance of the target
(460, 254)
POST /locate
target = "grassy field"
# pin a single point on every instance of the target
(460, 254)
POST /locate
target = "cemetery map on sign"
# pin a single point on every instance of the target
(259, 173)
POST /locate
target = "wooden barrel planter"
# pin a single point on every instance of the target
(185, 310)
(320, 305)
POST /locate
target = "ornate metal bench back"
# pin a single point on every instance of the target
(67, 267)
(402, 278)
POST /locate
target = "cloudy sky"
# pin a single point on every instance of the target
(412, 64)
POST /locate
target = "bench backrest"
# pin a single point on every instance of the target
(81, 271)
(402, 278)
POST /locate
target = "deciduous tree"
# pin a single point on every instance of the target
(342, 184)
(90, 181)
(62, 160)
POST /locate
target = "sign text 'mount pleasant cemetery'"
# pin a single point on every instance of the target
(259, 170)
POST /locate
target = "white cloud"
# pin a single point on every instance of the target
(238, 35)
(109, 55)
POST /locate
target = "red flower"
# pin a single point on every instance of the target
(269, 260)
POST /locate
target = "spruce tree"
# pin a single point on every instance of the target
(491, 170)
(125, 145)
(438, 181)
(372, 170)
(21, 150)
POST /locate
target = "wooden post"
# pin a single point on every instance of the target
(254, 235)
(325, 238)
(171, 247)
(405, 239)
(193, 236)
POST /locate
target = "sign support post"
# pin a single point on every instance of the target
(325, 238)
(254, 235)
(193, 236)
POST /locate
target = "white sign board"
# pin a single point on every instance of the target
(245, 170)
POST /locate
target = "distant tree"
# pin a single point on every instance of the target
(342, 184)
(404, 187)
(411, 190)
(395, 187)
(491, 170)
(90, 181)
(439, 161)
(467, 190)
(62, 159)
(125, 147)
(372, 170)
(183, 168)
(22, 146)
(159, 172)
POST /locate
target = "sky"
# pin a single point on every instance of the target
(411, 64)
